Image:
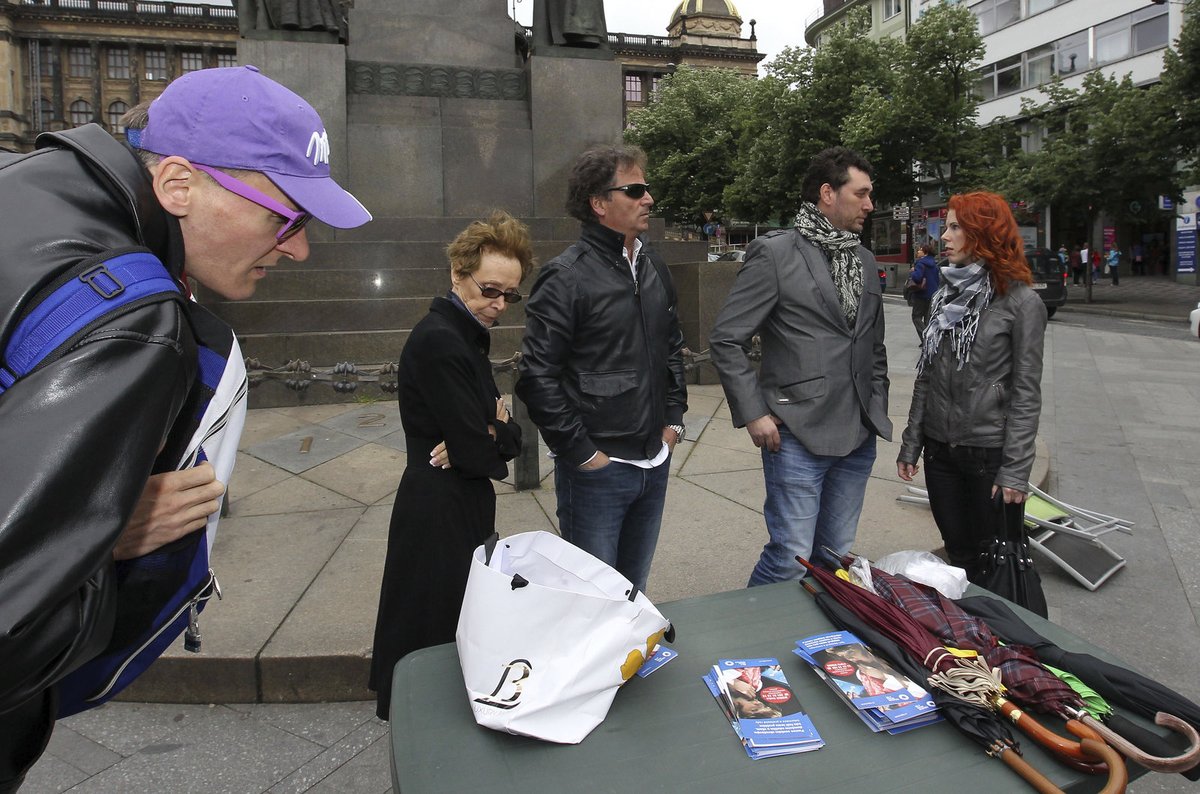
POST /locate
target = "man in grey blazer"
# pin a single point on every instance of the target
(819, 398)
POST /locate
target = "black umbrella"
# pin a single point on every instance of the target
(1133, 691)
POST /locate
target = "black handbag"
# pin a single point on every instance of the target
(1006, 568)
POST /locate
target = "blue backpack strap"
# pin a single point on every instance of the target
(98, 292)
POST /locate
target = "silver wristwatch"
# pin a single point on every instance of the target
(679, 432)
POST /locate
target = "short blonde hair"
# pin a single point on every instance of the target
(499, 232)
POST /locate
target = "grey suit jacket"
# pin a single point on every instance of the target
(826, 381)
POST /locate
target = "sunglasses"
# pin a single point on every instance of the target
(295, 220)
(634, 190)
(491, 293)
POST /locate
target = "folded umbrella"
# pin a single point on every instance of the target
(1028, 681)
(970, 679)
(1122, 686)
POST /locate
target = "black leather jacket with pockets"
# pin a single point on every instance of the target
(602, 364)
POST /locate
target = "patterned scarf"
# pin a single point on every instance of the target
(841, 246)
(965, 292)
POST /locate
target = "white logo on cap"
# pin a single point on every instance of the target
(318, 148)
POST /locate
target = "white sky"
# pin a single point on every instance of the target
(780, 22)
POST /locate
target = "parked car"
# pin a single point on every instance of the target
(1049, 277)
(1194, 319)
(736, 255)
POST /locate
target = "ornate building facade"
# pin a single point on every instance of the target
(701, 33)
(69, 62)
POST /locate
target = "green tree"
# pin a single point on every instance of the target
(800, 108)
(690, 131)
(1106, 149)
(1181, 85)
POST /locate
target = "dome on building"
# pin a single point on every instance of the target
(718, 17)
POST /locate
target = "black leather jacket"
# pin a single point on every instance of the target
(81, 434)
(995, 400)
(601, 365)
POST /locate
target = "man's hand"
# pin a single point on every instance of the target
(907, 470)
(764, 432)
(670, 438)
(598, 461)
(172, 505)
(1011, 495)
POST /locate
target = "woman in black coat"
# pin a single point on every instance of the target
(459, 435)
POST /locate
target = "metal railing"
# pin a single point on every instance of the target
(347, 377)
(139, 7)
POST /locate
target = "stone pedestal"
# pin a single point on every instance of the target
(574, 103)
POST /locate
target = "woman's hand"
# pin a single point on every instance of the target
(906, 470)
(439, 456)
(502, 415)
(1011, 495)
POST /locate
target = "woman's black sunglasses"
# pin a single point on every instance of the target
(635, 190)
(491, 293)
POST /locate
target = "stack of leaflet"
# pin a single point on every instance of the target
(761, 707)
(882, 697)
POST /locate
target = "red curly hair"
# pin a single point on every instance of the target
(991, 232)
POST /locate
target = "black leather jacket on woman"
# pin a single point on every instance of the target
(995, 400)
(601, 365)
(80, 434)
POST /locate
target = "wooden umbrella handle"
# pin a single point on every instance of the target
(1070, 751)
(1118, 775)
(1033, 777)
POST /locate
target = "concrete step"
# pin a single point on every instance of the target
(333, 315)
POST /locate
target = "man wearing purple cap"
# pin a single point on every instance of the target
(127, 429)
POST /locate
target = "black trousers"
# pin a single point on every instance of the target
(960, 480)
(24, 732)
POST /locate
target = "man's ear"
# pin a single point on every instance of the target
(599, 206)
(174, 181)
(827, 194)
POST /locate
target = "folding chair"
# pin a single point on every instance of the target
(1067, 535)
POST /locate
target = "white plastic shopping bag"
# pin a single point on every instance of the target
(547, 635)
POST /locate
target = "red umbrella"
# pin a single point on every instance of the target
(968, 678)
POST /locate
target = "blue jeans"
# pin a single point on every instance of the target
(613, 513)
(812, 501)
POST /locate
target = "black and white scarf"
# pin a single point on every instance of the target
(965, 292)
(844, 264)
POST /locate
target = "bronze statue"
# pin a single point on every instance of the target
(570, 23)
(316, 16)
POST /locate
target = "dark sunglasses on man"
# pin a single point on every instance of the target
(635, 190)
(491, 293)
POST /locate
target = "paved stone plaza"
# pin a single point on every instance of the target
(300, 555)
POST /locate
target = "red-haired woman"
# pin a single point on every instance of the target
(977, 398)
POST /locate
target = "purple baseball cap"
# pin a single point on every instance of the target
(237, 117)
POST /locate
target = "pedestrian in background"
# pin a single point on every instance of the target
(977, 398)
(1113, 265)
(924, 278)
(1075, 258)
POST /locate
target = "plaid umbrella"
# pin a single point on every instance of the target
(1027, 680)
